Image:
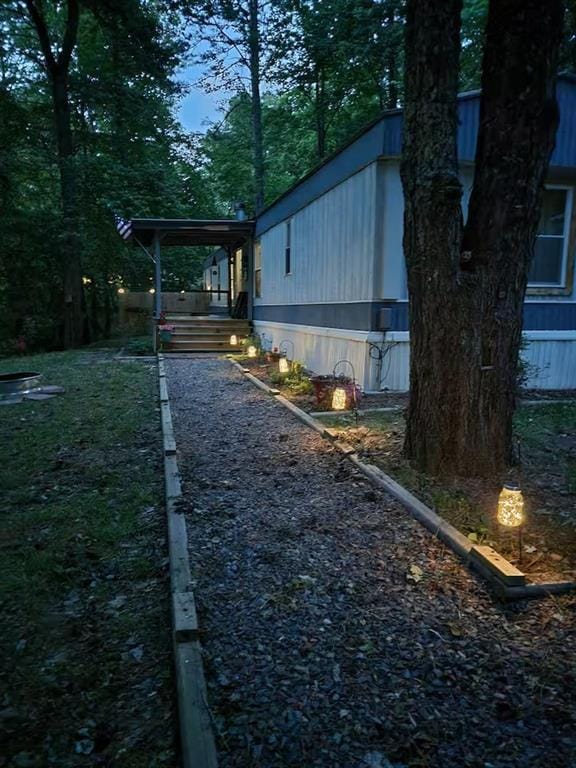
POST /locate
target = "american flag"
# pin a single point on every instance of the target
(123, 227)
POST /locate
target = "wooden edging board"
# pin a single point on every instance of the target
(196, 730)
(506, 580)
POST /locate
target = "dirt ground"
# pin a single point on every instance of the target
(547, 548)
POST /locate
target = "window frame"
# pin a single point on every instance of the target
(288, 248)
(562, 285)
(257, 270)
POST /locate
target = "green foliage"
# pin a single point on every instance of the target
(252, 341)
(131, 158)
(139, 346)
(296, 380)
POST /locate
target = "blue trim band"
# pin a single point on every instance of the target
(363, 316)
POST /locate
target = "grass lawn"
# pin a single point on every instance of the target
(85, 638)
(546, 436)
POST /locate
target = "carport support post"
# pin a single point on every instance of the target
(158, 275)
(250, 282)
(158, 288)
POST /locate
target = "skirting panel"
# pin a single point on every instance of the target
(551, 363)
(384, 363)
(318, 350)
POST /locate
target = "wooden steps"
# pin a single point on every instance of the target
(210, 333)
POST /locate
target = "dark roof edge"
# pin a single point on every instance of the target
(156, 223)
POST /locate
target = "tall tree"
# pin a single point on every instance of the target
(232, 36)
(57, 58)
(467, 285)
(129, 157)
(345, 56)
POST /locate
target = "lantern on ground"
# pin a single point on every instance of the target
(339, 399)
(284, 361)
(234, 340)
(511, 506)
(511, 511)
(344, 389)
(252, 351)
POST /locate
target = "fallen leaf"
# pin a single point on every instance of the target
(415, 573)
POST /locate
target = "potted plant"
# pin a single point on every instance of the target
(273, 355)
(165, 329)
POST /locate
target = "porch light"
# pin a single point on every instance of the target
(339, 399)
(121, 290)
(511, 506)
(233, 340)
(283, 365)
(252, 351)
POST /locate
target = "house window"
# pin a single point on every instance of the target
(257, 270)
(551, 249)
(287, 255)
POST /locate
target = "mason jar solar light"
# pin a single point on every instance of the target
(339, 399)
(511, 510)
(344, 389)
(284, 361)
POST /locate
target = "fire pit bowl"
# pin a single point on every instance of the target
(18, 383)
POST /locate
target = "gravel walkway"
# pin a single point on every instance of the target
(337, 632)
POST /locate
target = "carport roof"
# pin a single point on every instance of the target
(186, 232)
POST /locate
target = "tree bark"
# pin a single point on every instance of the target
(57, 68)
(466, 287)
(254, 47)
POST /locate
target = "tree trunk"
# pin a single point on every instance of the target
(57, 68)
(254, 45)
(70, 238)
(467, 288)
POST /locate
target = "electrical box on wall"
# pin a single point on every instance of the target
(384, 319)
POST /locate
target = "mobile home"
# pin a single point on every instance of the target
(327, 268)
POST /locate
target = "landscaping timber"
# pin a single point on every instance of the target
(197, 737)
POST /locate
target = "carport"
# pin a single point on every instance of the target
(153, 234)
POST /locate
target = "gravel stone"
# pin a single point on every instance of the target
(320, 650)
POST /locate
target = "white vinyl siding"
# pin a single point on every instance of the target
(332, 243)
